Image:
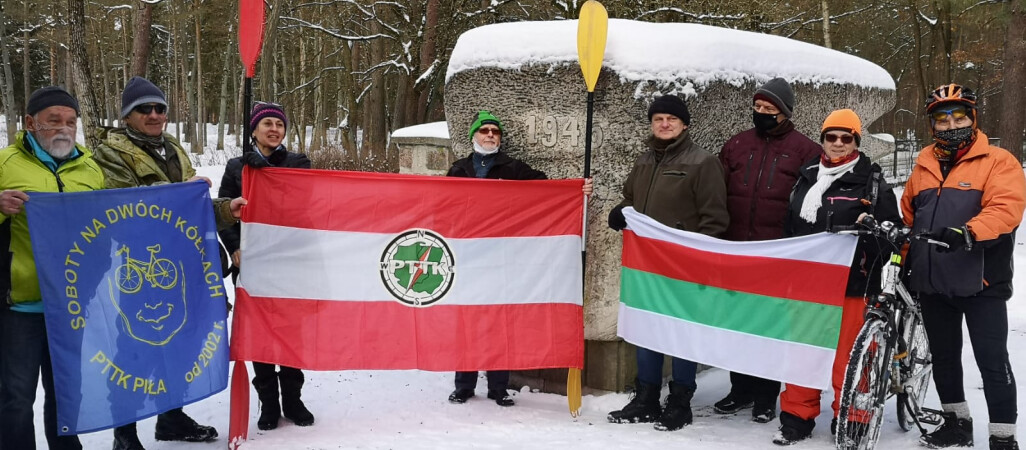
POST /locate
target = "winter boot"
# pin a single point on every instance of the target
(732, 403)
(174, 425)
(126, 438)
(764, 409)
(292, 407)
(677, 412)
(643, 407)
(793, 429)
(265, 382)
(1003, 443)
(954, 432)
(460, 396)
(501, 397)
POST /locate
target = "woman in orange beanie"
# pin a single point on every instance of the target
(836, 189)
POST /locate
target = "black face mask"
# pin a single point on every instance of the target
(955, 139)
(764, 122)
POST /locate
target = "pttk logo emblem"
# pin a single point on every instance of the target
(417, 267)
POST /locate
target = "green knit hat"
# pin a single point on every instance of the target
(483, 117)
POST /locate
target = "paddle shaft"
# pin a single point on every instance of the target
(247, 100)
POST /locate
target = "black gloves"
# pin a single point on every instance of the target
(956, 238)
(255, 160)
(616, 220)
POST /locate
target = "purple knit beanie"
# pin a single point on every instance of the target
(261, 110)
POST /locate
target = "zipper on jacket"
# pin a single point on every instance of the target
(755, 192)
(773, 169)
(748, 167)
(60, 184)
(651, 183)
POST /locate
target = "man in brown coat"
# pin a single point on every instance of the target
(680, 185)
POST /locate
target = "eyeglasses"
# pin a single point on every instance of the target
(147, 109)
(487, 131)
(845, 139)
(955, 113)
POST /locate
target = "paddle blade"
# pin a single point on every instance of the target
(251, 33)
(591, 40)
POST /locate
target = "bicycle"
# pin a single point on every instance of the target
(891, 355)
(160, 272)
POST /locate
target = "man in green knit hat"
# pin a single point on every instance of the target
(487, 161)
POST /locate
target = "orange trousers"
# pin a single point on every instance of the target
(804, 402)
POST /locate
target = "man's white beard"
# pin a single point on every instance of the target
(484, 151)
(59, 146)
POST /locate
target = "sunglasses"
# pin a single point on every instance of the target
(955, 113)
(487, 131)
(845, 139)
(267, 104)
(147, 109)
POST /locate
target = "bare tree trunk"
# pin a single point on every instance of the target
(226, 75)
(239, 105)
(53, 60)
(351, 56)
(320, 123)
(7, 83)
(26, 50)
(375, 131)
(946, 29)
(81, 73)
(826, 24)
(1013, 86)
(108, 96)
(200, 117)
(141, 21)
(428, 53)
(267, 65)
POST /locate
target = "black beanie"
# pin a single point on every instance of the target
(778, 92)
(49, 96)
(140, 91)
(670, 104)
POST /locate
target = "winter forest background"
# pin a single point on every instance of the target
(355, 70)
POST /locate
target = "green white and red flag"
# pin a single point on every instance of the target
(357, 270)
(766, 308)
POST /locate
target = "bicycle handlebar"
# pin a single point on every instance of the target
(896, 235)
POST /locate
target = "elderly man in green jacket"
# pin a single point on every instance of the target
(142, 154)
(42, 158)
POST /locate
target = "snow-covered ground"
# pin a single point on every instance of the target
(409, 410)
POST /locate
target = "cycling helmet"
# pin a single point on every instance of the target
(950, 93)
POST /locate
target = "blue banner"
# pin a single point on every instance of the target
(134, 301)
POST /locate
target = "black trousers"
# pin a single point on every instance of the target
(497, 380)
(762, 391)
(986, 318)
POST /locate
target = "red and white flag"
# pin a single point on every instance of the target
(356, 270)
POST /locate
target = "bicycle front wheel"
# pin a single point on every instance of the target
(865, 388)
(916, 371)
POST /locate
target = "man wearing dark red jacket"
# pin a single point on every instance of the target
(761, 166)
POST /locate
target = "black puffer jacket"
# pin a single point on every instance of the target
(504, 168)
(843, 202)
(231, 186)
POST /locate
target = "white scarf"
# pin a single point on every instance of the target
(826, 177)
(484, 151)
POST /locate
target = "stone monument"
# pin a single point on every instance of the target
(527, 74)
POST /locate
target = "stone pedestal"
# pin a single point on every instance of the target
(424, 155)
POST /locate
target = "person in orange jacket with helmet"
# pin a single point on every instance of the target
(970, 195)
